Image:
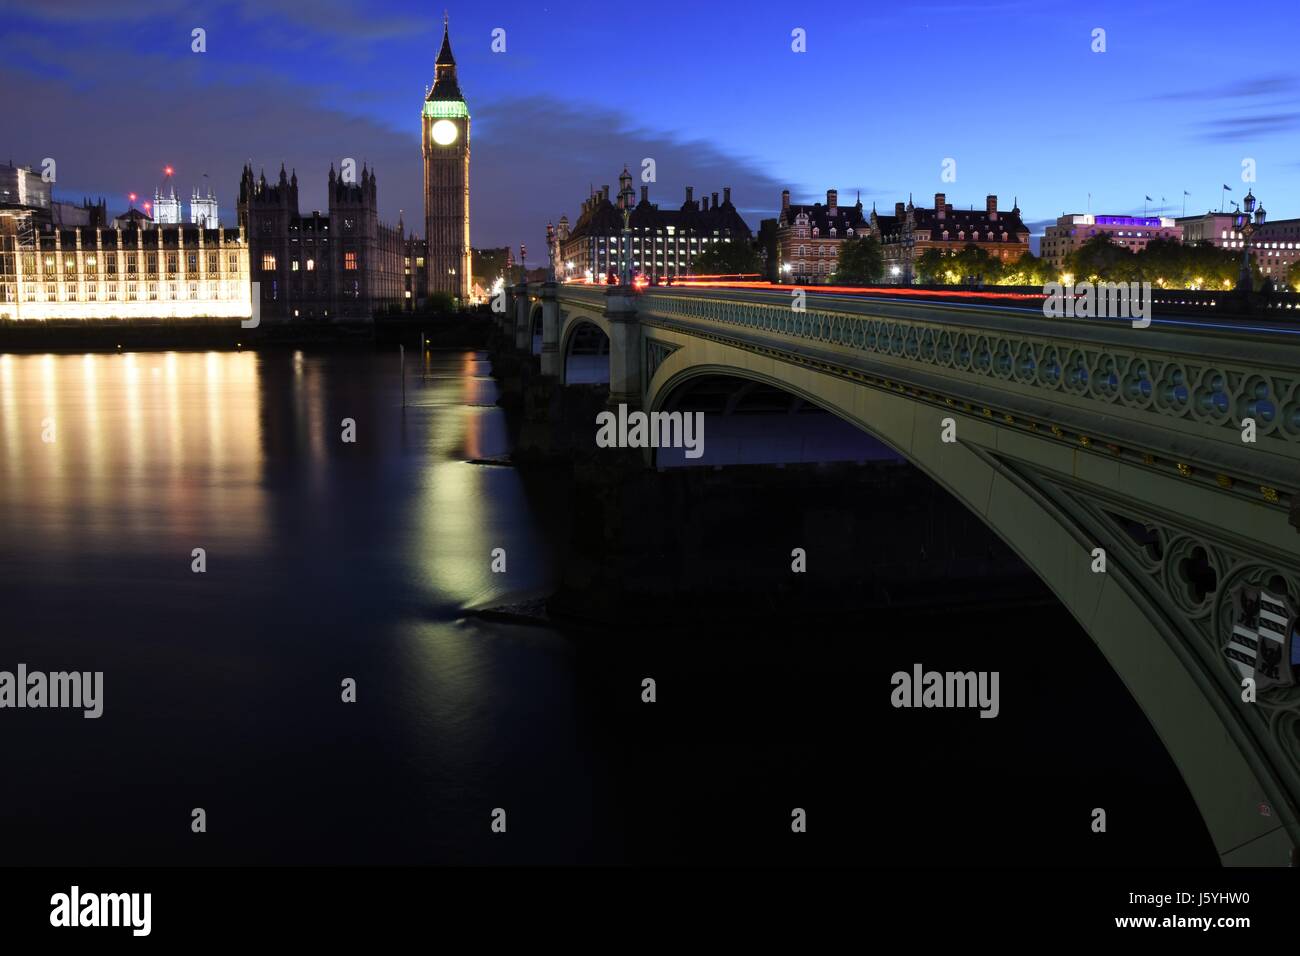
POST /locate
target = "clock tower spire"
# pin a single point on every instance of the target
(444, 127)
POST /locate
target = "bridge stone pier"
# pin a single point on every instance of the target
(1067, 436)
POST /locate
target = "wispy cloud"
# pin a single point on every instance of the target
(1233, 128)
(1247, 109)
(1255, 88)
(355, 19)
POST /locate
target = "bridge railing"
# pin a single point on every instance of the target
(588, 294)
(1184, 393)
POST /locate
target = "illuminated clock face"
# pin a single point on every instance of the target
(444, 132)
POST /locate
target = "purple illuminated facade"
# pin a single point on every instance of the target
(1132, 232)
(1153, 222)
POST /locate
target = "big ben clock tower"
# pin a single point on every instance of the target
(444, 127)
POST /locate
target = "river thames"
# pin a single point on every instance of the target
(328, 560)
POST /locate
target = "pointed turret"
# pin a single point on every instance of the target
(444, 55)
(445, 86)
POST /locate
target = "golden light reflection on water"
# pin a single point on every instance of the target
(455, 523)
(146, 449)
(9, 418)
(464, 510)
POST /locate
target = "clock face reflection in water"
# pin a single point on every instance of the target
(444, 132)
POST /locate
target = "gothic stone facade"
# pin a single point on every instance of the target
(132, 269)
(345, 265)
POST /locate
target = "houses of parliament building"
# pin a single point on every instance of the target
(62, 261)
(347, 264)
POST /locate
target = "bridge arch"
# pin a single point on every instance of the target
(1021, 486)
(584, 336)
(535, 327)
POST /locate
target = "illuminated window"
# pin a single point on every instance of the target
(311, 265)
(192, 262)
(91, 292)
(268, 262)
(293, 266)
(349, 260)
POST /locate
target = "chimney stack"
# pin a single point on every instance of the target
(690, 195)
(604, 192)
(726, 195)
(715, 201)
(940, 205)
(898, 210)
(645, 193)
(785, 200)
(832, 197)
(991, 206)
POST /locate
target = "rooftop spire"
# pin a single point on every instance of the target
(445, 87)
(444, 55)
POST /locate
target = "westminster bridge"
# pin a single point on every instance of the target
(1175, 449)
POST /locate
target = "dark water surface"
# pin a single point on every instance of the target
(328, 560)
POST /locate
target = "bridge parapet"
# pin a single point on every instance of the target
(1181, 395)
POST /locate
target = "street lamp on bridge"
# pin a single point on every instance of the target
(1244, 225)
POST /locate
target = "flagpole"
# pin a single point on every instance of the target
(1184, 203)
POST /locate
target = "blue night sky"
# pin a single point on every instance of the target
(712, 92)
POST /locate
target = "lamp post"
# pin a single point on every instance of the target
(1244, 224)
(553, 248)
(626, 276)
